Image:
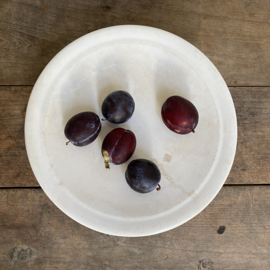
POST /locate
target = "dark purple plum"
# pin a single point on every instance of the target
(83, 128)
(118, 146)
(143, 175)
(118, 107)
(179, 115)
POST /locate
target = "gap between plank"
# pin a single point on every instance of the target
(243, 185)
(21, 85)
(20, 187)
(248, 86)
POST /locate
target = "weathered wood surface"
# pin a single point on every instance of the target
(232, 232)
(15, 170)
(251, 164)
(35, 234)
(233, 34)
(252, 161)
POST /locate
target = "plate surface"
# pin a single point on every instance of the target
(150, 64)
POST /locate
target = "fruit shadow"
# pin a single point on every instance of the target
(169, 81)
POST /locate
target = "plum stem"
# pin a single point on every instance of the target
(193, 130)
(102, 119)
(158, 187)
(67, 142)
(106, 159)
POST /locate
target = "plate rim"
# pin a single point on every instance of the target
(65, 203)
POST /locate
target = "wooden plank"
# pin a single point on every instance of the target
(252, 161)
(233, 34)
(14, 165)
(230, 234)
(251, 164)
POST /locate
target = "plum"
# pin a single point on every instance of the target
(118, 146)
(179, 115)
(143, 175)
(83, 128)
(118, 107)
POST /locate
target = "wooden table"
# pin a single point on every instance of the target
(232, 232)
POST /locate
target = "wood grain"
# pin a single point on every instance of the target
(251, 164)
(252, 161)
(230, 234)
(233, 34)
(14, 165)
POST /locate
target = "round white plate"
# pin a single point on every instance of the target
(151, 65)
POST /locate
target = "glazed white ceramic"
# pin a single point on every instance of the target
(151, 65)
